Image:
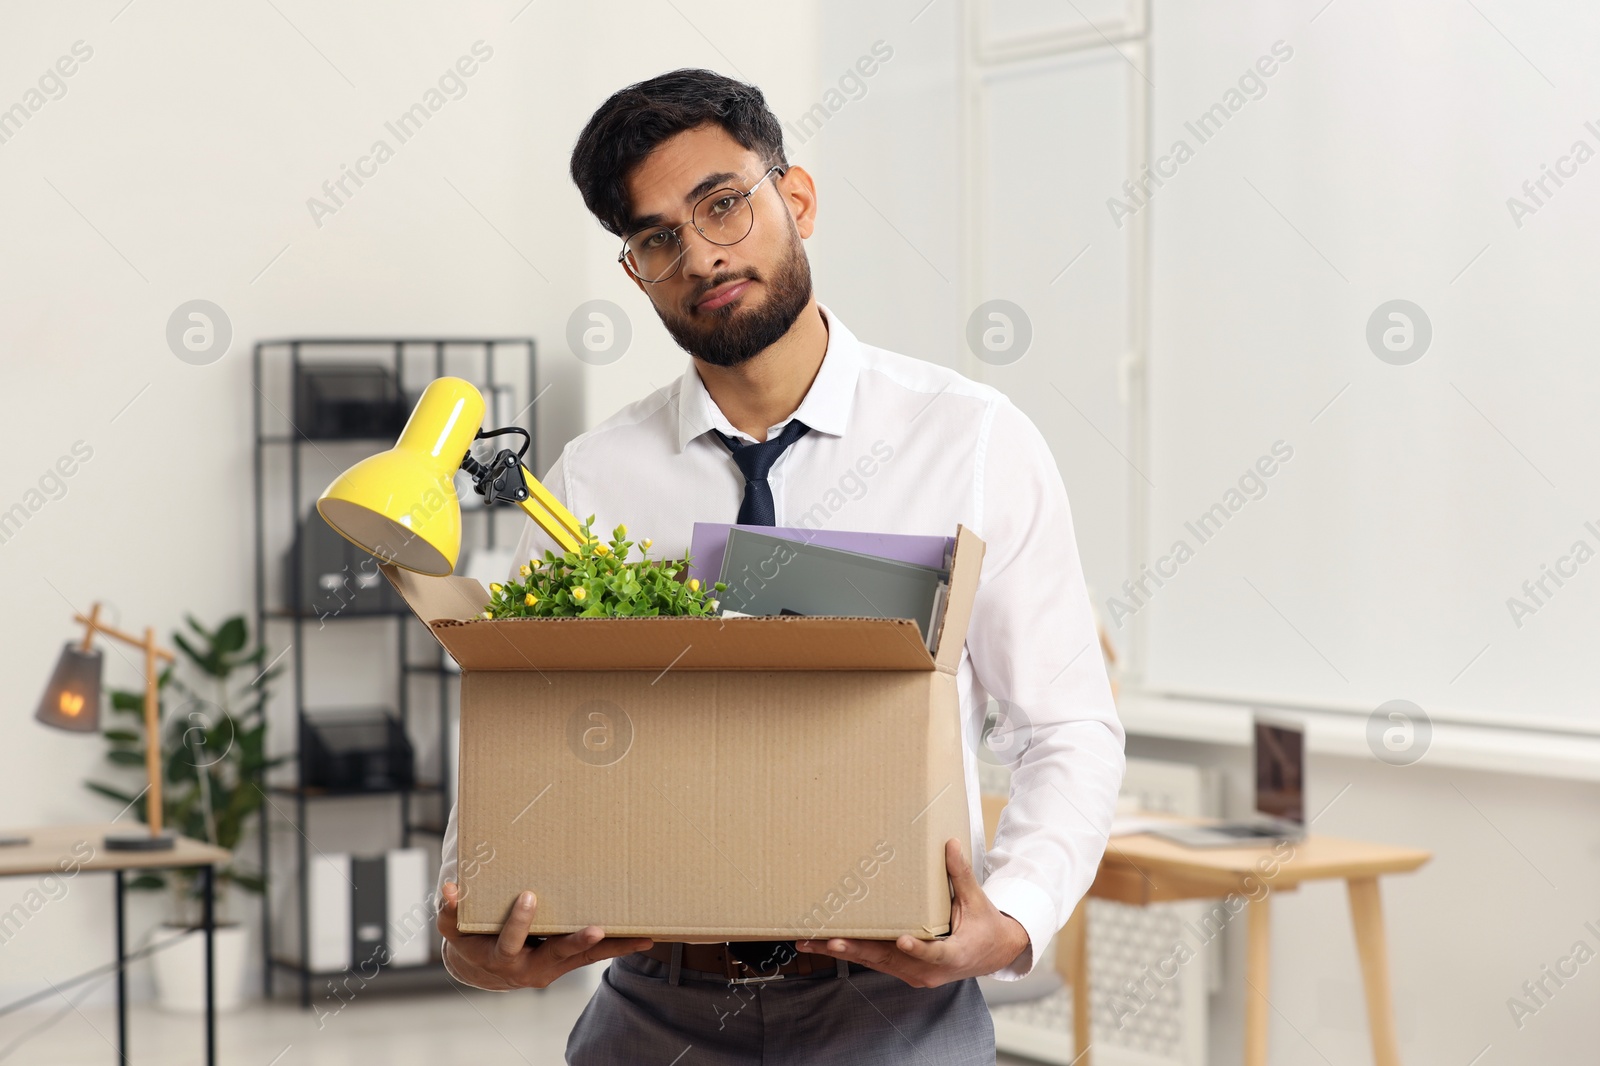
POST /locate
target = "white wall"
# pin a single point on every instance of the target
(181, 158)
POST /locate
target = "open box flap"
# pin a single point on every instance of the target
(450, 606)
(966, 562)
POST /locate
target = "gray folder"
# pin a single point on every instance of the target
(770, 575)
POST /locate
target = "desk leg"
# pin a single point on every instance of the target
(1366, 910)
(122, 972)
(1074, 969)
(1257, 976)
(209, 874)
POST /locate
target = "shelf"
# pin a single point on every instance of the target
(282, 479)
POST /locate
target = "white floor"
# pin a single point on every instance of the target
(435, 1027)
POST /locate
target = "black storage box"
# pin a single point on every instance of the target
(336, 577)
(357, 751)
(348, 400)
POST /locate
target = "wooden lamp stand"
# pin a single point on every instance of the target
(157, 839)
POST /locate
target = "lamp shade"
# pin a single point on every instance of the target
(401, 505)
(72, 699)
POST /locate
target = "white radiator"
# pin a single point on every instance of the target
(1149, 1007)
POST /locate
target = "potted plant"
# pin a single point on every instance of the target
(214, 756)
(598, 581)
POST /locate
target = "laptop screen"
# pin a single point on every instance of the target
(1280, 771)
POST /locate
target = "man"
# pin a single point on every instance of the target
(783, 417)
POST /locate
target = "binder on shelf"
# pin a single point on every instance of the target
(369, 911)
(409, 912)
(327, 915)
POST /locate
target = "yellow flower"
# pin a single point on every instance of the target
(526, 570)
(694, 584)
(580, 594)
(495, 587)
(530, 599)
(602, 549)
(486, 614)
(646, 542)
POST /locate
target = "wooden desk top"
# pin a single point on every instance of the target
(1147, 869)
(57, 849)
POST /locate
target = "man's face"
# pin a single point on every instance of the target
(726, 303)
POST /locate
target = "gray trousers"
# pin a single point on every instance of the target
(862, 1018)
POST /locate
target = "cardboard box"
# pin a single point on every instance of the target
(706, 779)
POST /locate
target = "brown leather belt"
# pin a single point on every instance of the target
(717, 959)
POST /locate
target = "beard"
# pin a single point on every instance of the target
(733, 334)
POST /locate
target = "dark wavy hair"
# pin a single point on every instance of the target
(634, 121)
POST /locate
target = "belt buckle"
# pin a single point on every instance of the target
(734, 964)
(756, 980)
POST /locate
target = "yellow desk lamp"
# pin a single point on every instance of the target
(401, 506)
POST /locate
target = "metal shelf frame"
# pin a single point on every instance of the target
(495, 359)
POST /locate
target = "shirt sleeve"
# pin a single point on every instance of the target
(1035, 650)
(450, 848)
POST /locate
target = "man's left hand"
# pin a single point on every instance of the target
(982, 939)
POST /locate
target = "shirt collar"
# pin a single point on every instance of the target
(826, 407)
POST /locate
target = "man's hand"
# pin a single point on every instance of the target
(982, 939)
(508, 961)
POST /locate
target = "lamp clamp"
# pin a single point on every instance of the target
(500, 480)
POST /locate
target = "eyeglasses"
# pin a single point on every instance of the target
(723, 217)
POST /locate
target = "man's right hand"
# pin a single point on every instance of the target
(506, 961)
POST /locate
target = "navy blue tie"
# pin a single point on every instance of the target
(755, 461)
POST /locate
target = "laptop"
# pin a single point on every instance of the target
(1280, 757)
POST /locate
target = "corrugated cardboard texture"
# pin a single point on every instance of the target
(707, 779)
(779, 643)
(712, 806)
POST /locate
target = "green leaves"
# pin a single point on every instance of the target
(212, 728)
(598, 581)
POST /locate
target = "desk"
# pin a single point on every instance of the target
(1143, 869)
(49, 847)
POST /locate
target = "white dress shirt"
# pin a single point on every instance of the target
(899, 445)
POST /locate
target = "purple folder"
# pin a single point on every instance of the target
(710, 541)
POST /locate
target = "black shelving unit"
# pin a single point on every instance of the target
(488, 363)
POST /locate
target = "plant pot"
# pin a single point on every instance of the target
(181, 968)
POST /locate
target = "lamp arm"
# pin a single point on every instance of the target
(505, 479)
(542, 506)
(96, 626)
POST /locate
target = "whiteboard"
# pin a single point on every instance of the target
(1382, 560)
